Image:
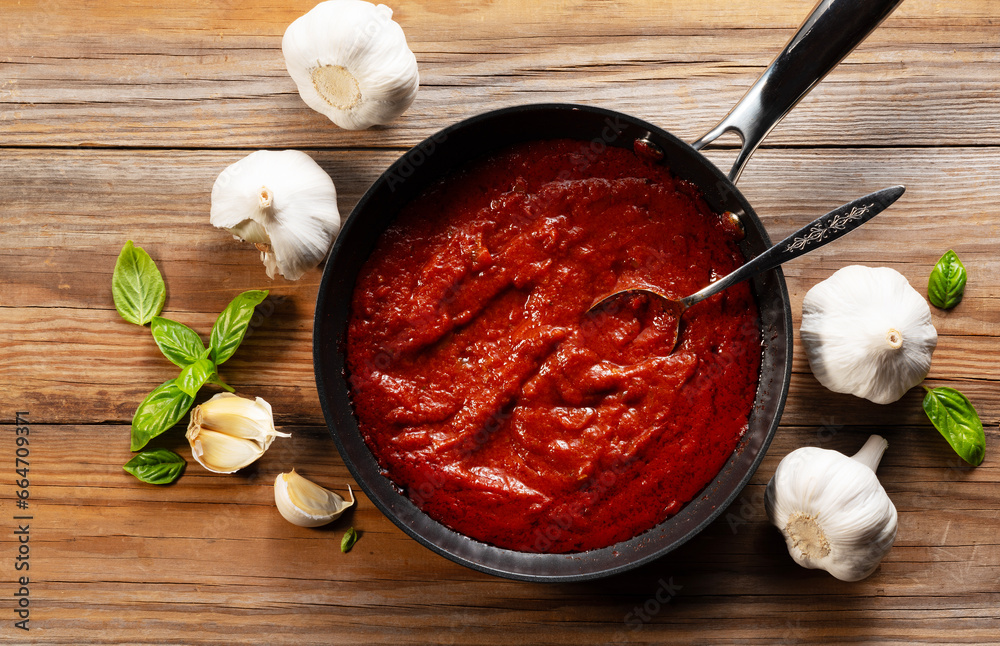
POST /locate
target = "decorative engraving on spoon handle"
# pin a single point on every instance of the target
(820, 230)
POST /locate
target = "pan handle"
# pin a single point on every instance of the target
(831, 32)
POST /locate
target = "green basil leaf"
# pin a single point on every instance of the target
(348, 541)
(956, 418)
(177, 342)
(947, 282)
(137, 286)
(231, 325)
(157, 467)
(194, 376)
(160, 410)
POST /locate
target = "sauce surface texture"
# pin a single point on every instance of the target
(492, 398)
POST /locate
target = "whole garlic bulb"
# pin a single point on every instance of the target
(351, 63)
(306, 504)
(283, 202)
(832, 510)
(866, 332)
(229, 432)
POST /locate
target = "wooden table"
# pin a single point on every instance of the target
(116, 118)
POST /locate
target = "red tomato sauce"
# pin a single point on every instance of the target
(502, 408)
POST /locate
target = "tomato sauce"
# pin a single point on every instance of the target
(497, 403)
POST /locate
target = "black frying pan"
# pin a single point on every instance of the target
(833, 29)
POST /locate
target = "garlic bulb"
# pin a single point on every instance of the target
(868, 333)
(228, 432)
(351, 63)
(284, 203)
(305, 503)
(832, 510)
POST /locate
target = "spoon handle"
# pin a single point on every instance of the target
(822, 230)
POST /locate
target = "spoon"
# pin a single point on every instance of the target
(814, 235)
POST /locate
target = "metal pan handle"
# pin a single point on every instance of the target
(831, 32)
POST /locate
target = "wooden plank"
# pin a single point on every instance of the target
(72, 207)
(203, 76)
(209, 559)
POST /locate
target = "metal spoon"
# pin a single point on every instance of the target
(814, 235)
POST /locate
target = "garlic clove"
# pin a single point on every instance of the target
(251, 231)
(221, 453)
(283, 202)
(228, 432)
(832, 510)
(350, 62)
(868, 333)
(240, 417)
(306, 504)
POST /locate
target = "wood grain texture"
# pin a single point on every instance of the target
(139, 74)
(115, 120)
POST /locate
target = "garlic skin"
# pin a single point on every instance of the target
(282, 201)
(832, 510)
(306, 504)
(351, 63)
(229, 432)
(868, 333)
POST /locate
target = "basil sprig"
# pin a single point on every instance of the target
(954, 416)
(946, 285)
(137, 286)
(139, 294)
(159, 467)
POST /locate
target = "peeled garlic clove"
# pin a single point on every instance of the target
(305, 503)
(351, 63)
(283, 202)
(868, 333)
(229, 432)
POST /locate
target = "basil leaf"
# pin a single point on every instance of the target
(348, 541)
(157, 467)
(231, 325)
(956, 418)
(177, 342)
(160, 410)
(194, 376)
(947, 282)
(137, 286)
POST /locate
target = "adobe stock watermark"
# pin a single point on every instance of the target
(591, 150)
(563, 520)
(264, 311)
(587, 153)
(412, 160)
(423, 491)
(22, 520)
(747, 510)
(642, 614)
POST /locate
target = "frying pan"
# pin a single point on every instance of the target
(832, 30)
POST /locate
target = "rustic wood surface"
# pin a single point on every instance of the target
(115, 119)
